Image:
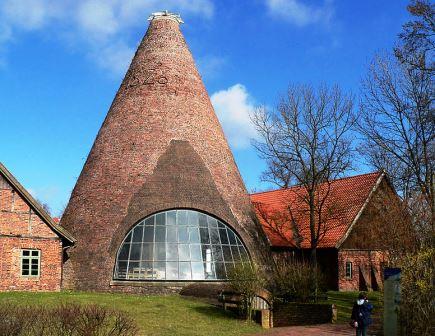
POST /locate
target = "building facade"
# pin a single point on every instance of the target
(31, 244)
(160, 201)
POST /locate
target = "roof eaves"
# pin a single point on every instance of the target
(35, 205)
(364, 206)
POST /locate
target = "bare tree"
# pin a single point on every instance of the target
(307, 142)
(397, 108)
(416, 45)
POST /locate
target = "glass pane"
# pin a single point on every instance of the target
(25, 272)
(236, 254)
(147, 251)
(221, 225)
(220, 271)
(160, 251)
(137, 234)
(202, 219)
(193, 218)
(172, 270)
(35, 261)
(243, 254)
(185, 272)
(217, 252)
(183, 234)
(223, 236)
(160, 219)
(148, 234)
(159, 270)
(171, 217)
(146, 269)
(123, 253)
(209, 271)
(212, 222)
(214, 236)
(198, 271)
(194, 235)
(206, 252)
(34, 272)
(183, 252)
(171, 234)
(195, 252)
(26, 252)
(172, 252)
(34, 267)
(35, 253)
(25, 266)
(205, 239)
(149, 221)
(181, 217)
(135, 251)
(160, 234)
(25, 261)
(133, 270)
(122, 269)
(227, 254)
(128, 239)
(232, 237)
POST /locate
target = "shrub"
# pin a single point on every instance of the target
(292, 280)
(417, 308)
(246, 279)
(64, 320)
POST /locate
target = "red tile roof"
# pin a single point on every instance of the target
(277, 209)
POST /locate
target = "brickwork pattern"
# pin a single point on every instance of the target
(21, 228)
(161, 130)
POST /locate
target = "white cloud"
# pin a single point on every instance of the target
(299, 13)
(234, 107)
(93, 25)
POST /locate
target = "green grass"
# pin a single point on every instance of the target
(155, 315)
(344, 302)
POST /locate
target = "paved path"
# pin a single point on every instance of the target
(318, 330)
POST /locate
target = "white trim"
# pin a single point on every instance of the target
(349, 230)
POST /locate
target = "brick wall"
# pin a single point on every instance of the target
(160, 147)
(294, 314)
(366, 270)
(21, 228)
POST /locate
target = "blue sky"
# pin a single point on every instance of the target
(61, 62)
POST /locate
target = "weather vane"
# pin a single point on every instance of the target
(166, 13)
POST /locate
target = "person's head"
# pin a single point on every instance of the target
(362, 296)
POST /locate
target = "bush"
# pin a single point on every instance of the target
(417, 308)
(292, 280)
(246, 279)
(64, 320)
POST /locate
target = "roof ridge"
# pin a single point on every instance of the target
(378, 172)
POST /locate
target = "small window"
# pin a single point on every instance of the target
(30, 263)
(348, 270)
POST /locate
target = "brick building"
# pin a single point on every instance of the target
(160, 201)
(348, 254)
(31, 243)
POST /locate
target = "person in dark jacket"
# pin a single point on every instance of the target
(361, 315)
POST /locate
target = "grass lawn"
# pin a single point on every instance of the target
(155, 315)
(344, 302)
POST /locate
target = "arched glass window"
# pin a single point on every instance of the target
(179, 245)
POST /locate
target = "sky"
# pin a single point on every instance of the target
(62, 61)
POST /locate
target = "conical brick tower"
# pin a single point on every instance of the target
(160, 147)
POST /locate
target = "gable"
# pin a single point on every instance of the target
(22, 215)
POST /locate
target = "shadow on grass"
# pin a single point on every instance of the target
(215, 312)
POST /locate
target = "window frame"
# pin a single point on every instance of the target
(200, 221)
(30, 257)
(348, 275)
